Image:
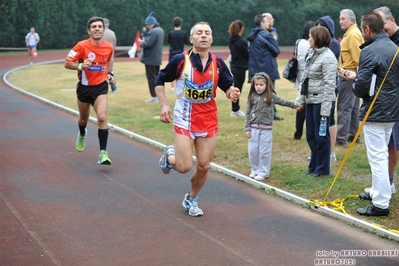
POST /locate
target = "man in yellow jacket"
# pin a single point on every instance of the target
(347, 102)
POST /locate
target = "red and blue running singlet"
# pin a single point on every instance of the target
(195, 109)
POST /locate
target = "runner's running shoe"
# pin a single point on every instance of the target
(163, 162)
(103, 158)
(191, 204)
(81, 142)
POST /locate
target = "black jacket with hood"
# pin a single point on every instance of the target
(263, 50)
(395, 37)
(335, 47)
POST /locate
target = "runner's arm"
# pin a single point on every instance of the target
(75, 65)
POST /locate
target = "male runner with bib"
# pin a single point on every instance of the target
(198, 73)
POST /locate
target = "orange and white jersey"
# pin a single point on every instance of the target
(100, 55)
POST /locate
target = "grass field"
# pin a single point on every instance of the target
(289, 162)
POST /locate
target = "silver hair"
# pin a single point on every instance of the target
(197, 24)
(350, 13)
(386, 11)
(106, 22)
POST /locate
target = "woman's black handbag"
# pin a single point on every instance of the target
(304, 86)
(291, 69)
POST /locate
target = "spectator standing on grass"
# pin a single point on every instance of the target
(318, 92)
(152, 53)
(347, 103)
(109, 36)
(92, 59)
(335, 47)
(259, 124)
(177, 39)
(392, 30)
(198, 73)
(31, 40)
(263, 50)
(239, 61)
(302, 50)
(376, 57)
(273, 32)
(144, 33)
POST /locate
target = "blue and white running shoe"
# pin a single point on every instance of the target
(163, 162)
(191, 204)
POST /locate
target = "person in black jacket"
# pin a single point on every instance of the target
(239, 61)
(177, 39)
(392, 30)
(375, 59)
(263, 51)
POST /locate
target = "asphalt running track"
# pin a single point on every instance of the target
(59, 207)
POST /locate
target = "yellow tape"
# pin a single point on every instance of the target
(336, 205)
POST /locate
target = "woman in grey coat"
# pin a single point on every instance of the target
(318, 92)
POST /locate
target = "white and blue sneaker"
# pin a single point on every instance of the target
(163, 162)
(191, 204)
(333, 158)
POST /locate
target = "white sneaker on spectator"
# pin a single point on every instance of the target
(238, 113)
(259, 178)
(333, 158)
(252, 175)
(152, 100)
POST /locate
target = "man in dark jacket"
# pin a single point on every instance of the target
(152, 53)
(263, 50)
(375, 59)
(392, 30)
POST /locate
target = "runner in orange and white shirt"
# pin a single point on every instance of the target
(92, 59)
(198, 73)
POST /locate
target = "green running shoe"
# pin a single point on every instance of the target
(81, 142)
(103, 158)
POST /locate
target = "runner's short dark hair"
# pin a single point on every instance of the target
(94, 19)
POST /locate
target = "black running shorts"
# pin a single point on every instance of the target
(88, 94)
